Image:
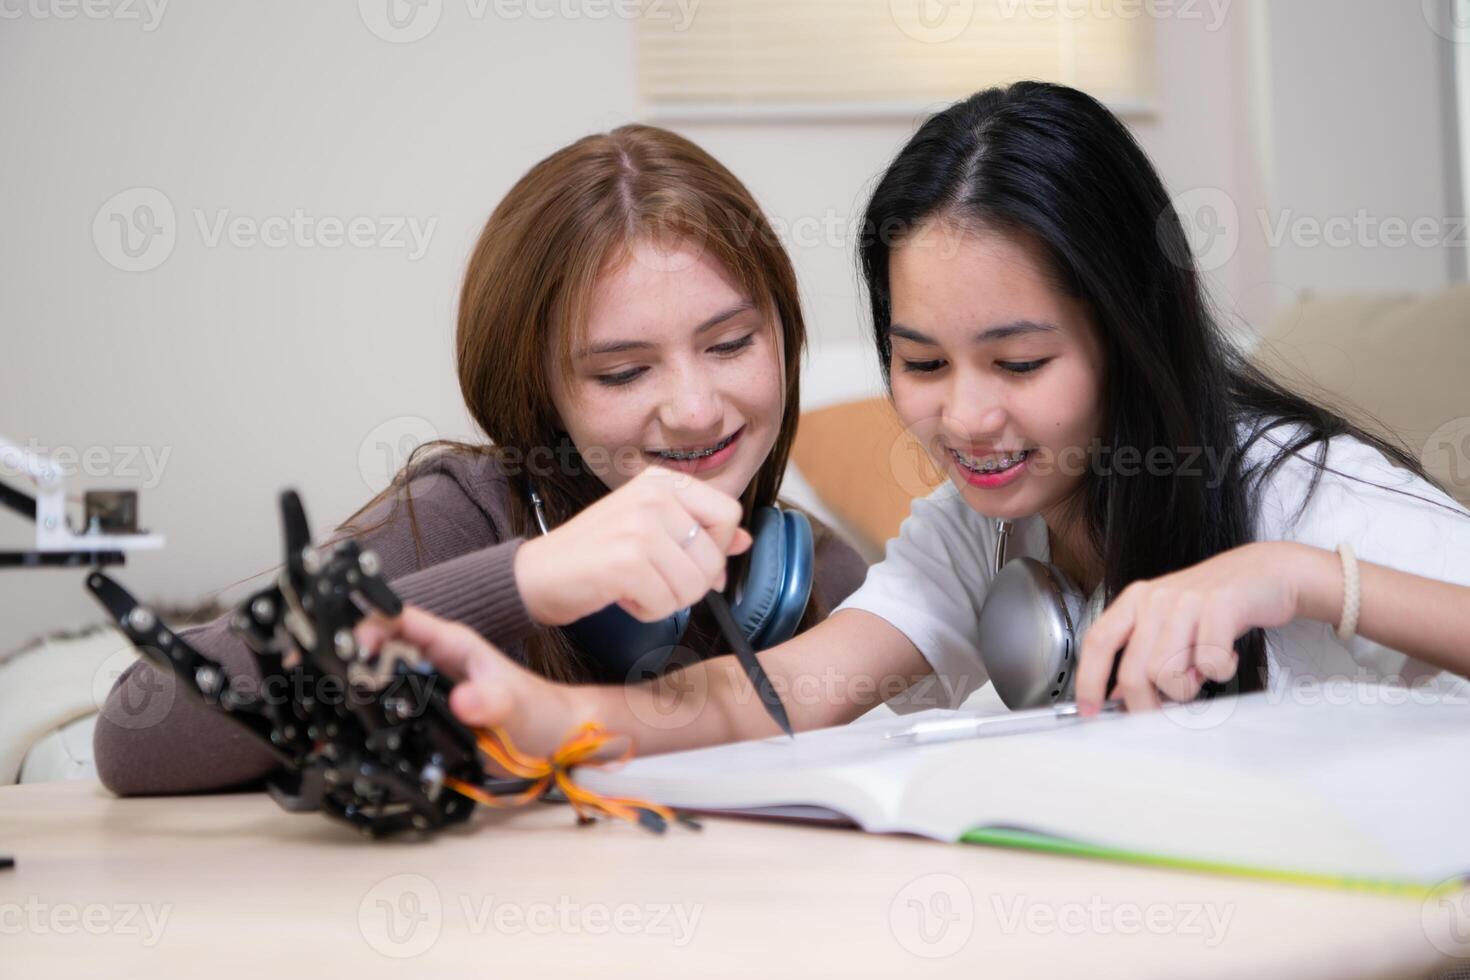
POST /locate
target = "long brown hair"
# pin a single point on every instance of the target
(529, 285)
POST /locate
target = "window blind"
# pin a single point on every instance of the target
(839, 57)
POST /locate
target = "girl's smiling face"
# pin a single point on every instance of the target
(995, 369)
(676, 367)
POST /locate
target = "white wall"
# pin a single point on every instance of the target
(1460, 68)
(255, 368)
(1359, 98)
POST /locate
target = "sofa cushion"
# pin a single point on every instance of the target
(1400, 365)
(864, 466)
(59, 681)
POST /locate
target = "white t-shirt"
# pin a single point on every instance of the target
(934, 577)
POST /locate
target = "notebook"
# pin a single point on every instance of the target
(1350, 786)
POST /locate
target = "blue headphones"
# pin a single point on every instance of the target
(768, 604)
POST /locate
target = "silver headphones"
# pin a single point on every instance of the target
(1028, 629)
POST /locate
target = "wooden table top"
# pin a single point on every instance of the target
(228, 885)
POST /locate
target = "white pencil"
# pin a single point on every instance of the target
(1012, 723)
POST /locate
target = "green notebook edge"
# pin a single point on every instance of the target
(1045, 843)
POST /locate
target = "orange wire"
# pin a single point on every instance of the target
(578, 750)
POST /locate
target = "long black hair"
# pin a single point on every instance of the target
(1053, 163)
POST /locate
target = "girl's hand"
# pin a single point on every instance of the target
(1179, 630)
(632, 548)
(489, 687)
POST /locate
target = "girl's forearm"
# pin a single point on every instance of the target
(1422, 617)
(687, 709)
(829, 675)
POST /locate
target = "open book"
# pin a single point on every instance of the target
(1356, 786)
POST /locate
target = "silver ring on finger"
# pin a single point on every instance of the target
(690, 535)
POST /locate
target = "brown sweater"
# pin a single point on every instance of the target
(153, 738)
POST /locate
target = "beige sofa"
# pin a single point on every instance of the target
(55, 688)
(1400, 364)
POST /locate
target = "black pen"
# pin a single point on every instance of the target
(746, 655)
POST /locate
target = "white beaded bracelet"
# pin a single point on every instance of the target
(1351, 593)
